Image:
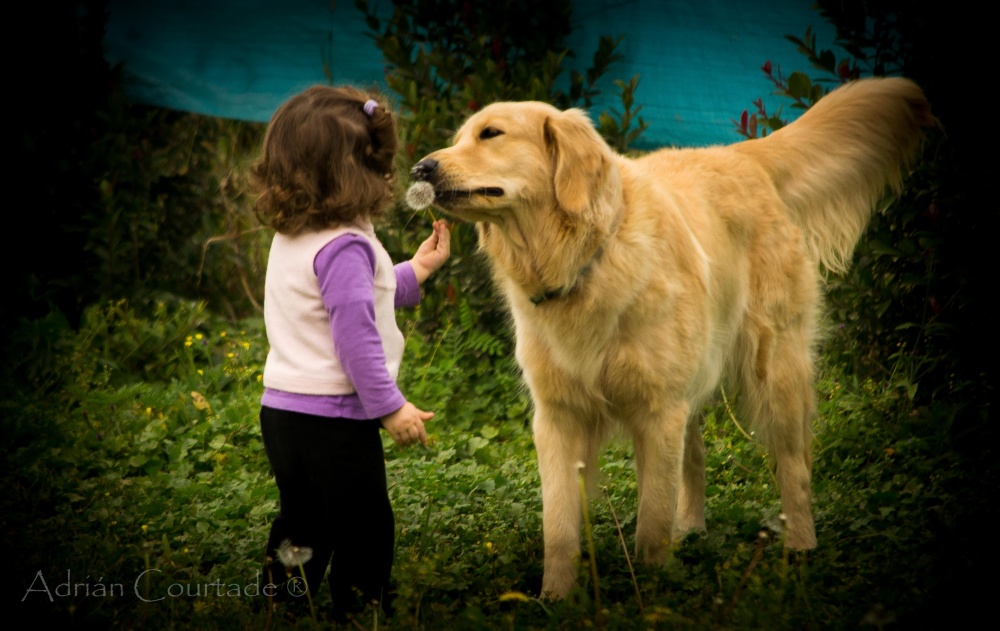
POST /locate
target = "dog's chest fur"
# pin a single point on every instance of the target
(611, 350)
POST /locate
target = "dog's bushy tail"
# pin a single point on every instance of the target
(835, 163)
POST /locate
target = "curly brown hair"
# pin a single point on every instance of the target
(325, 161)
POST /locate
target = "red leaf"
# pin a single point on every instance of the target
(844, 70)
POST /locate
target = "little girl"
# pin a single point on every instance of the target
(325, 173)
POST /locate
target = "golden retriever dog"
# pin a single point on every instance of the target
(637, 286)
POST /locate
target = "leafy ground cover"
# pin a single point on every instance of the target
(137, 493)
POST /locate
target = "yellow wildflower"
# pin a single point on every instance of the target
(200, 402)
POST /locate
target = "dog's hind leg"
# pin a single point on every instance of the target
(782, 403)
(659, 454)
(790, 447)
(691, 501)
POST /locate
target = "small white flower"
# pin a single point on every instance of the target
(293, 555)
(420, 195)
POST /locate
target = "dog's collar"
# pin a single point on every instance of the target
(561, 292)
(565, 290)
(538, 299)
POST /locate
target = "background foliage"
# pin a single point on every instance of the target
(911, 307)
(122, 200)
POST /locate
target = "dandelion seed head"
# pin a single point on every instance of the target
(292, 555)
(420, 195)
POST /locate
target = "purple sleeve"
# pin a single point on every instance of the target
(407, 287)
(345, 268)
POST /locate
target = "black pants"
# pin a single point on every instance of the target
(333, 498)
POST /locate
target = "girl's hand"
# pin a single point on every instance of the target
(406, 425)
(433, 252)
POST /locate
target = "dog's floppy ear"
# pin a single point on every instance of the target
(579, 158)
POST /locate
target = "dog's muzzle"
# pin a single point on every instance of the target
(427, 171)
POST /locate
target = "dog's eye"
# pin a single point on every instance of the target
(489, 132)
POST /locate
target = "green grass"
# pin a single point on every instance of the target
(133, 461)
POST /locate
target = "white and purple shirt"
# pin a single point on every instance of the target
(335, 345)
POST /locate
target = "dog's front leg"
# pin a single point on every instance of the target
(691, 501)
(659, 451)
(560, 443)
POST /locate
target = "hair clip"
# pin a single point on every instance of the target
(370, 106)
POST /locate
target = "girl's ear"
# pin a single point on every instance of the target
(382, 152)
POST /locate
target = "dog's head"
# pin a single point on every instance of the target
(513, 157)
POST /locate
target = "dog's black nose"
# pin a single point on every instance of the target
(423, 169)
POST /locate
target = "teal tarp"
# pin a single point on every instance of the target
(698, 60)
